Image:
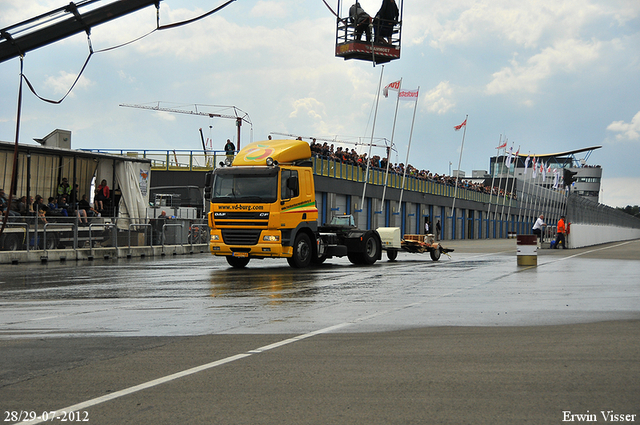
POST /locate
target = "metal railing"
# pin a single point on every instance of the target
(173, 160)
(69, 233)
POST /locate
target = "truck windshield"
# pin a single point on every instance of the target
(245, 185)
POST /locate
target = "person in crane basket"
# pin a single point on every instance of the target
(361, 21)
(385, 19)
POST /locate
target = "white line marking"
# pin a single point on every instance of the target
(182, 374)
(197, 369)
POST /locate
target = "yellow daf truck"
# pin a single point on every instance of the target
(263, 205)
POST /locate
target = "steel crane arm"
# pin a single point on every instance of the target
(244, 117)
(11, 47)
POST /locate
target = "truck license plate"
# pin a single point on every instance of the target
(240, 254)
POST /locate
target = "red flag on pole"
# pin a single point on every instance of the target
(502, 146)
(458, 127)
(391, 86)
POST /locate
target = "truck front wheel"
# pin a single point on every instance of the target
(302, 252)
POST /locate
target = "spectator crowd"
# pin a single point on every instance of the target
(351, 157)
(64, 203)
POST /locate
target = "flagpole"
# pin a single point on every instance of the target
(393, 132)
(545, 200)
(375, 115)
(556, 182)
(493, 178)
(522, 215)
(557, 200)
(504, 198)
(532, 205)
(455, 190)
(538, 206)
(415, 107)
(532, 189)
(513, 182)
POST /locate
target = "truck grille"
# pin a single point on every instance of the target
(240, 236)
(232, 218)
(241, 215)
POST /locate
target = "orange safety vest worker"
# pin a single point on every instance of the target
(561, 228)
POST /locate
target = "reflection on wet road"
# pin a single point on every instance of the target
(200, 294)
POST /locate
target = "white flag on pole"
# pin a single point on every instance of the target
(509, 156)
(408, 94)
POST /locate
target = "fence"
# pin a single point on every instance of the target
(33, 235)
(584, 211)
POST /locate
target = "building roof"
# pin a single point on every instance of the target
(567, 153)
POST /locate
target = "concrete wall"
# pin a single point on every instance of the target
(593, 234)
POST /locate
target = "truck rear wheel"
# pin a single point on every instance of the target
(237, 262)
(392, 254)
(302, 252)
(371, 249)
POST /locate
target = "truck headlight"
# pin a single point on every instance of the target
(271, 238)
(215, 237)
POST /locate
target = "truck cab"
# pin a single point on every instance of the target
(263, 206)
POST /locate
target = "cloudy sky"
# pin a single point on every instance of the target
(549, 76)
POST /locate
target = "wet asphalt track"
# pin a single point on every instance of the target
(200, 294)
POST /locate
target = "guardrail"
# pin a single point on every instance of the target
(114, 237)
(164, 232)
(70, 233)
(173, 160)
(45, 247)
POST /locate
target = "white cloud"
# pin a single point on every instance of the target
(626, 131)
(527, 24)
(165, 116)
(63, 82)
(269, 9)
(126, 77)
(15, 11)
(439, 99)
(566, 56)
(308, 106)
(620, 192)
